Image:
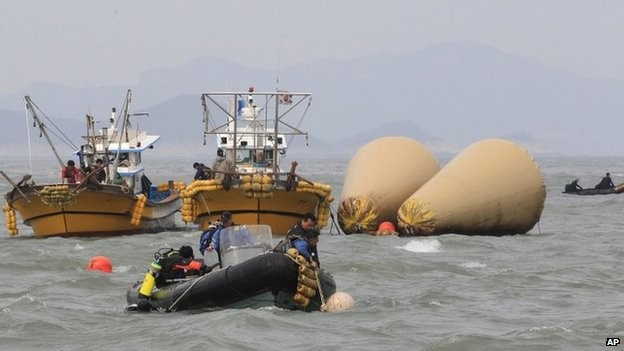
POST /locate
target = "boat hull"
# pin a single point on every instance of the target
(280, 211)
(107, 210)
(264, 280)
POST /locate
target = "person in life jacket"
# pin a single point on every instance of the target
(178, 264)
(209, 240)
(304, 237)
(70, 174)
(169, 264)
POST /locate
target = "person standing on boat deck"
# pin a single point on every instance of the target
(573, 187)
(605, 183)
(70, 174)
(100, 176)
(222, 165)
(202, 172)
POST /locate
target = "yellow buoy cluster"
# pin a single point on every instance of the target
(493, 187)
(357, 215)
(258, 185)
(10, 219)
(380, 176)
(177, 185)
(306, 281)
(56, 195)
(189, 208)
(138, 209)
(324, 192)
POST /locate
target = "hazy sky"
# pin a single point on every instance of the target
(92, 43)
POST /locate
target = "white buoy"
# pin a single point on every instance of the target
(339, 302)
(380, 176)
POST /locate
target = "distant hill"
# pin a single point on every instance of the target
(446, 96)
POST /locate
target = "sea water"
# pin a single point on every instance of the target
(558, 287)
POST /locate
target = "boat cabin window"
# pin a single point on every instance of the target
(243, 156)
(263, 157)
(123, 160)
(135, 158)
(268, 156)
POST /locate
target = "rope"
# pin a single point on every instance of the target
(184, 293)
(188, 289)
(320, 289)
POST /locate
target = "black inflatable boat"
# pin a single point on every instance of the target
(250, 275)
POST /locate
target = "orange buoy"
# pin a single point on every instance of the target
(100, 263)
(386, 227)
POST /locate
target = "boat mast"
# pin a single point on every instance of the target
(275, 143)
(124, 128)
(30, 105)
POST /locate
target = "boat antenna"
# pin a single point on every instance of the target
(279, 59)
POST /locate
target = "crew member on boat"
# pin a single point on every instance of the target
(573, 187)
(606, 182)
(170, 264)
(70, 174)
(100, 175)
(178, 264)
(201, 171)
(222, 165)
(209, 240)
(307, 246)
(304, 237)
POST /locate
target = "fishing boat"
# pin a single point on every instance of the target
(248, 275)
(122, 201)
(251, 130)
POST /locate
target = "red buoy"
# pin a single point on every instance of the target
(386, 226)
(100, 263)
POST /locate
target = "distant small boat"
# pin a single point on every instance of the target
(250, 276)
(125, 202)
(618, 189)
(251, 130)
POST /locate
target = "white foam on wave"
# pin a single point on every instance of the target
(121, 269)
(473, 265)
(423, 246)
(78, 247)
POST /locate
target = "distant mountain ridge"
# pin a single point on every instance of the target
(446, 96)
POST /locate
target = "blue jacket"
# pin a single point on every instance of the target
(306, 250)
(210, 236)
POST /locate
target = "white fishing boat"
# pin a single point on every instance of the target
(122, 201)
(251, 129)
